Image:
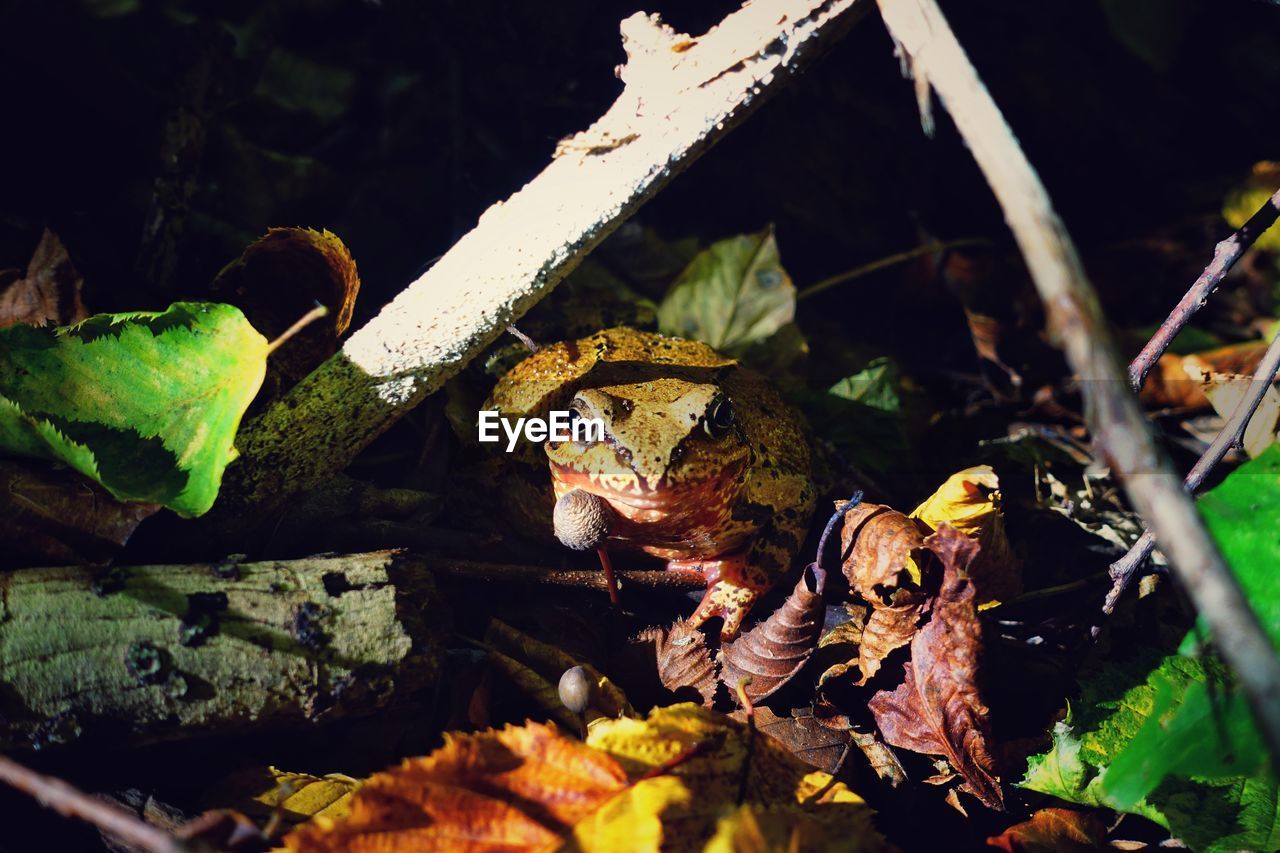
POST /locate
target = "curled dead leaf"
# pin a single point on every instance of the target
(1225, 391)
(279, 278)
(775, 650)
(883, 552)
(937, 709)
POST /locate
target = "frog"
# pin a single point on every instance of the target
(701, 462)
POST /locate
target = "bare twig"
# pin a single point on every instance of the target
(70, 801)
(1231, 434)
(1112, 413)
(681, 95)
(581, 578)
(1225, 254)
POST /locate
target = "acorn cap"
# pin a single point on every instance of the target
(581, 520)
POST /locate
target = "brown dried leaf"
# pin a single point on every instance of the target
(279, 278)
(881, 757)
(681, 659)
(51, 516)
(937, 709)
(884, 551)
(772, 652)
(808, 739)
(1054, 831)
(887, 629)
(48, 293)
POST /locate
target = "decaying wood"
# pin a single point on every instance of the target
(158, 652)
(1112, 412)
(681, 94)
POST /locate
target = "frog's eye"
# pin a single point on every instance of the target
(720, 417)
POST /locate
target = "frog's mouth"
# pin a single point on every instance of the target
(629, 490)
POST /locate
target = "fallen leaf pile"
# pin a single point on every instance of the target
(686, 778)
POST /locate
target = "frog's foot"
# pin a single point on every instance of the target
(732, 588)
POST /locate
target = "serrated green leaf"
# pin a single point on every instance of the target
(731, 296)
(147, 404)
(1178, 744)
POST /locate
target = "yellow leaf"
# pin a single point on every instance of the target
(1244, 201)
(969, 501)
(260, 791)
(633, 820)
(765, 829)
(729, 766)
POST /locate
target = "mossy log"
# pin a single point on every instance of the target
(159, 652)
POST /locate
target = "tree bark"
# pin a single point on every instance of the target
(159, 652)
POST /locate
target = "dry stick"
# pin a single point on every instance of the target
(681, 95)
(473, 570)
(1075, 318)
(69, 801)
(1231, 434)
(1225, 254)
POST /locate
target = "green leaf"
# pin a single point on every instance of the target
(732, 295)
(1215, 814)
(876, 386)
(1173, 739)
(147, 404)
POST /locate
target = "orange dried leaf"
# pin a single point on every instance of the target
(775, 650)
(515, 789)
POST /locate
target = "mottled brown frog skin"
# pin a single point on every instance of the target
(703, 463)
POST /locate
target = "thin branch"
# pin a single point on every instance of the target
(884, 263)
(1112, 412)
(1231, 435)
(681, 95)
(1225, 255)
(70, 801)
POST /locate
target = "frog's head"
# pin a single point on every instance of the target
(668, 442)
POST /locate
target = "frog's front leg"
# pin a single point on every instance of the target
(736, 581)
(733, 585)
